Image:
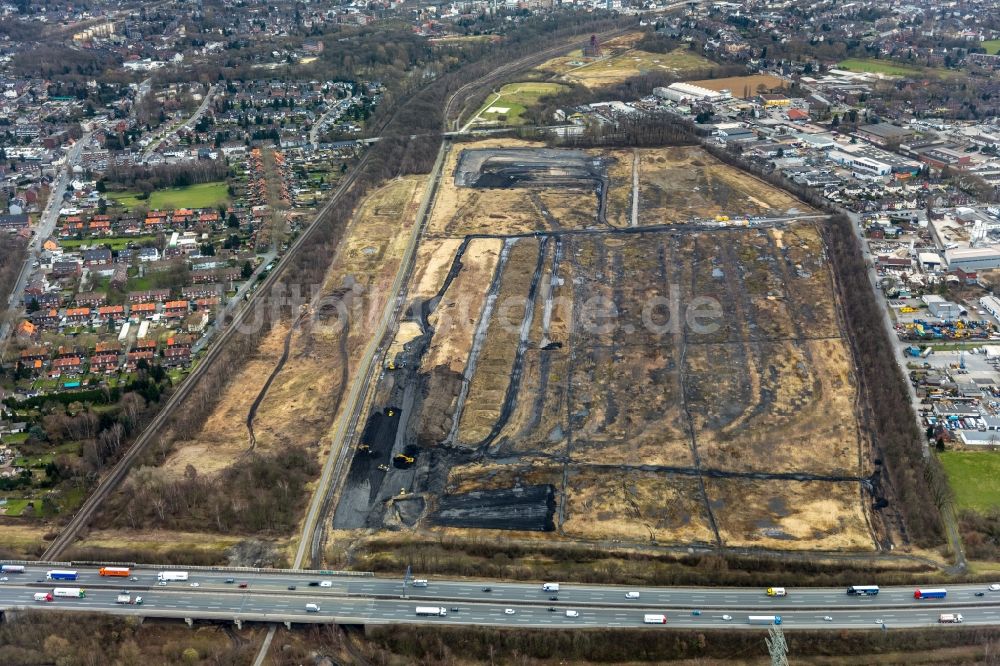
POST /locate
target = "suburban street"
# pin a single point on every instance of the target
(376, 600)
(46, 225)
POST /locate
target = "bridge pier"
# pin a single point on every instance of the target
(189, 621)
(239, 623)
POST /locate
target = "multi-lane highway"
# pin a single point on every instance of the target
(370, 600)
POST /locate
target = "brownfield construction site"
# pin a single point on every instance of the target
(639, 346)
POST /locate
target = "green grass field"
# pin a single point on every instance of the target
(204, 195)
(992, 46)
(878, 67)
(517, 97)
(974, 477)
(15, 507)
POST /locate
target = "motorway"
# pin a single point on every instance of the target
(371, 600)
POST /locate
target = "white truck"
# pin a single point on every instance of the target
(432, 610)
(654, 618)
(172, 575)
(550, 587)
(77, 592)
(128, 599)
(951, 618)
(43, 596)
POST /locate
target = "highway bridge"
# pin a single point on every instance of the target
(278, 596)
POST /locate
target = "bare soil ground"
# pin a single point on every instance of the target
(22, 540)
(744, 86)
(793, 516)
(685, 183)
(454, 320)
(624, 399)
(433, 260)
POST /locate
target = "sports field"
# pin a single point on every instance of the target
(992, 46)
(508, 104)
(203, 195)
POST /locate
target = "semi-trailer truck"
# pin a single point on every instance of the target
(764, 619)
(76, 592)
(432, 610)
(60, 574)
(654, 618)
(43, 596)
(128, 599)
(12, 568)
(930, 593)
(122, 572)
(951, 618)
(172, 575)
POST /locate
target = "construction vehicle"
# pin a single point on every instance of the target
(403, 459)
(364, 447)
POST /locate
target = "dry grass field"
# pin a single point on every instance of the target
(620, 61)
(685, 183)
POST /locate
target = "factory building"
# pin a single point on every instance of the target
(941, 308)
(973, 258)
(687, 92)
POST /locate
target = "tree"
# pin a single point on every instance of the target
(207, 250)
(246, 270)
(233, 222)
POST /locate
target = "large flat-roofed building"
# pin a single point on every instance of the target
(973, 258)
(680, 92)
(941, 308)
(885, 133)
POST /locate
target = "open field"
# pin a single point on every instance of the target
(992, 46)
(506, 105)
(888, 68)
(204, 195)
(579, 398)
(744, 87)
(677, 184)
(619, 64)
(974, 477)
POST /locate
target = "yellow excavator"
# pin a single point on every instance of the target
(404, 459)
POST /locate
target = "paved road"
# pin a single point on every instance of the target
(46, 225)
(337, 110)
(377, 600)
(187, 124)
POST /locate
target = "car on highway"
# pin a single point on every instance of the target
(230, 580)
(326, 583)
(631, 595)
(314, 583)
(195, 584)
(552, 609)
(827, 618)
(553, 598)
(980, 594)
(727, 618)
(995, 587)
(162, 583)
(244, 585)
(509, 611)
(696, 612)
(3, 579)
(454, 609)
(487, 589)
(291, 587)
(572, 613)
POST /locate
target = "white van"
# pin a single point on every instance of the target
(312, 608)
(550, 587)
(631, 595)
(420, 582)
